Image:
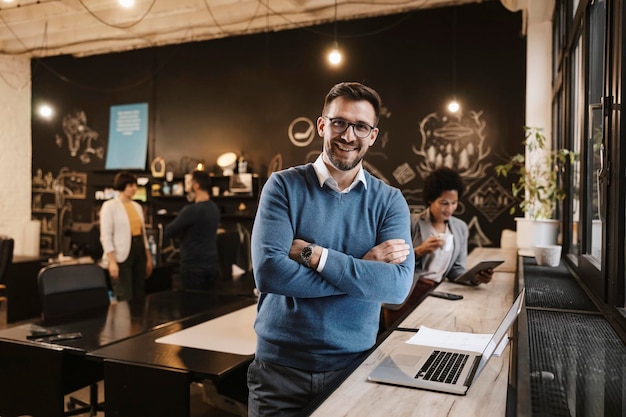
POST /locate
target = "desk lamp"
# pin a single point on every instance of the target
(227, 162)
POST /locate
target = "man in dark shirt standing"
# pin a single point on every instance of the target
(197, 223)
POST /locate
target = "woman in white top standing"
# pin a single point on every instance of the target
(439, 240)
(124, 242)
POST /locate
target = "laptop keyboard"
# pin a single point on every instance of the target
(443, 367)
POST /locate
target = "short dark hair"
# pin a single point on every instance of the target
(440, 180)
(122, 179)
(356, 92)
(202, 179)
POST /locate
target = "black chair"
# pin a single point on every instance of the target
(74, 292)
(6, 257)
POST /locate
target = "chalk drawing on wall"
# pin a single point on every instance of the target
(457, 141)
(312, 156)
(413, 197)
(416, 208)
(491, 199)
(476, 235)
(404, 173)
(82, 141)
(276, 164)
(383, 139)
(375, 172)
(301, 132)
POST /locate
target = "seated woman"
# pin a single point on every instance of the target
(430, 230)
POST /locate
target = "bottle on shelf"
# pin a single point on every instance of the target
(242, 165)
(165, 189)
(153, 249)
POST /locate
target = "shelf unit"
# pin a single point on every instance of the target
(234, 207)
(160, 209)
(53, 199)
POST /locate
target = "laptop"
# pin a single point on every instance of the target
(441, 369)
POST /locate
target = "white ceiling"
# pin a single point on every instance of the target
(39, 28)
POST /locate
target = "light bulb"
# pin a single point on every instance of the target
(334, 57)
(453, 106)
(45, 111)
(127, 3)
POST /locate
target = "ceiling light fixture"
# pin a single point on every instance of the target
(335, 56)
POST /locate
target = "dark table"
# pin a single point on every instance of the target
(132, 366)
(36, 375)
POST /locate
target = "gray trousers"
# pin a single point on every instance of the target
(276, 390)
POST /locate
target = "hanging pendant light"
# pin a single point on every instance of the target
(453, 105)
(334, 56)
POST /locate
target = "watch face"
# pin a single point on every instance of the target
(306, 254)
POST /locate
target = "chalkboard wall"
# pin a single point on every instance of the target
(258, 94)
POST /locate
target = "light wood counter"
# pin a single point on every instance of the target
(480, 311)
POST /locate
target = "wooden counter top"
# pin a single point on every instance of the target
(480, 311)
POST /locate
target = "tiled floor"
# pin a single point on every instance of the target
(199, 408)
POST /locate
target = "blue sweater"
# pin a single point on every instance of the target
(321, 321)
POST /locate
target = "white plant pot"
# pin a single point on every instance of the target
(548, 255)
(531, 233)
(596, 238)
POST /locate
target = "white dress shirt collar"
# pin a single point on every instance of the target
(323, 176)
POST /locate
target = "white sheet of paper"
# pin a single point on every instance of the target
(474, 342)
(231, 333)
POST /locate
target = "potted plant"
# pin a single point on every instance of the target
(538, 186)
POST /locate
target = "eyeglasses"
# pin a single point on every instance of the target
(339, 125)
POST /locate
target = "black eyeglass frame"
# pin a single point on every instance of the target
(348, 124)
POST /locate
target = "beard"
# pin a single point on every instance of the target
(341, 163)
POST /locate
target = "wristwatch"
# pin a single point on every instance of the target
(306, 253)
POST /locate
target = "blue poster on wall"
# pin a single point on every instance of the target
(128, 137)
